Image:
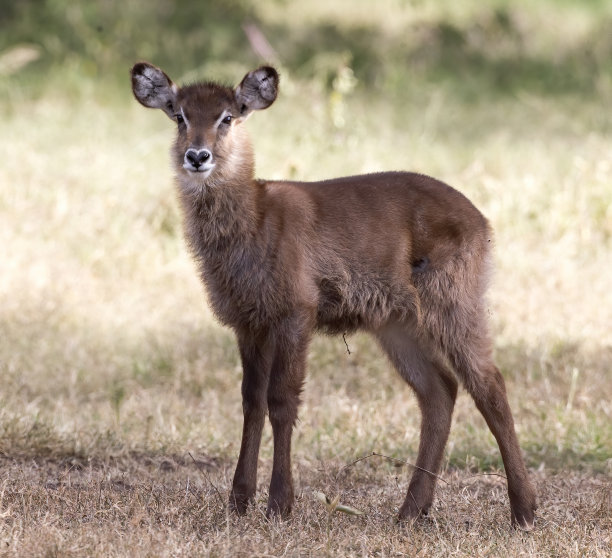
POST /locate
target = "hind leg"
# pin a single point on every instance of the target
(490, 398)
(436, 391)
(484, 382)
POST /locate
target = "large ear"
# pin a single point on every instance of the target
(153, 88)
(257, 90)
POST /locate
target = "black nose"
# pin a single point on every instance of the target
(197, 158)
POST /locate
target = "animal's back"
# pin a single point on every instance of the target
(405, 239)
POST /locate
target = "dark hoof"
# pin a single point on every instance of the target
(410, 516)
(239, 504)
(523, 509)
(524, 519)
(411, 510)
(278, 510)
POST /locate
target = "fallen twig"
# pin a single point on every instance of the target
(389, 458)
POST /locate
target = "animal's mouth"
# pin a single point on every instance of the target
(202, 170)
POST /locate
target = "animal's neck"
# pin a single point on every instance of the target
(223, 210)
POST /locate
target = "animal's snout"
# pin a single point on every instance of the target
(195, 158)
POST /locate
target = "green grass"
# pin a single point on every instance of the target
(113, 366)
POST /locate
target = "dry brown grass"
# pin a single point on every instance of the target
(175, 506)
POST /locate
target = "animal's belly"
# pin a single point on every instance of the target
(367, 303)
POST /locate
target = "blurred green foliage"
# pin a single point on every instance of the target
(101, 40)
(495, 47)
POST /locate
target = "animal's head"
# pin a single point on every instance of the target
(207, 114)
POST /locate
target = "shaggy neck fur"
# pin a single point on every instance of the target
(221, 210)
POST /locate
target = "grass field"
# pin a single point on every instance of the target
(120, 409)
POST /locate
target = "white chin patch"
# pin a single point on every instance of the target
(200, 173)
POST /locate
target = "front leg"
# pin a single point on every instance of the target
(256, 352)
(284, 389)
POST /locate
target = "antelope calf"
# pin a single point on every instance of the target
(400, 255)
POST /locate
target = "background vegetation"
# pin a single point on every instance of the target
(120, 404)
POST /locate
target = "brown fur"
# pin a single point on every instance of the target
(400, 255)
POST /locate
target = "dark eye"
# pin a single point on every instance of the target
(179, 118)
(227, 119)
